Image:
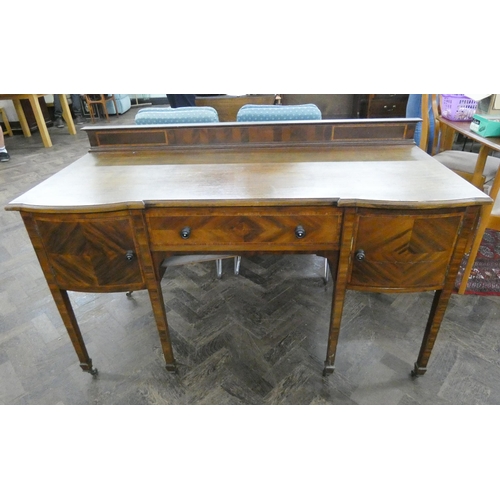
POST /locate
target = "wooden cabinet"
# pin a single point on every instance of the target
(385, 215)
(386, 105)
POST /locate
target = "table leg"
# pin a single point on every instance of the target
(68, 118)
(436, 316)
(339, 270)
(68, 316)
(6, 123)
(22, 117)
(157, 302)
(442, 297)
(40, 120)
(152, 273)
(335, 321)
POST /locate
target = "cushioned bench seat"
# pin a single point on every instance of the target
(161, 116)
(263, 112)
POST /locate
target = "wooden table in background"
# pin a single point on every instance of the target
(37, 111)
(488, 144)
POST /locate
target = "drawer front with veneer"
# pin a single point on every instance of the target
(403, 252)
(91, 253)
(238, 229)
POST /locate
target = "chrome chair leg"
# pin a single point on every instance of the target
(218, 264)
(237, 263)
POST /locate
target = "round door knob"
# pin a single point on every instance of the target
(130, 255)
(185, 233)
(300, 232)
(360, 255)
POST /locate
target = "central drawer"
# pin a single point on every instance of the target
(246, 228)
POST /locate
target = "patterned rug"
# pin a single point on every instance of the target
(485, 275)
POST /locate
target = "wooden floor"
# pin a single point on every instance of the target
(257, 338)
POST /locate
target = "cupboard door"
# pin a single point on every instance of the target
(403, 252)
(88, 253)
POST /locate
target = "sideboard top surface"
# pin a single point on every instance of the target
(359, 163)
(400, 177)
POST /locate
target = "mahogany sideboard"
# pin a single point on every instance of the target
(388, 217)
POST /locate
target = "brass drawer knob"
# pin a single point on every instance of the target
(360, 255)
(185, 233)
(300, 232)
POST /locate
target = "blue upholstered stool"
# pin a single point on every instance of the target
(165, 116)
(265, 112)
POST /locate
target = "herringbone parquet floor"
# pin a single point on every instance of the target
(258, 338)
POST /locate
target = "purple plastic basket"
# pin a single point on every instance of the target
(457, 107)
